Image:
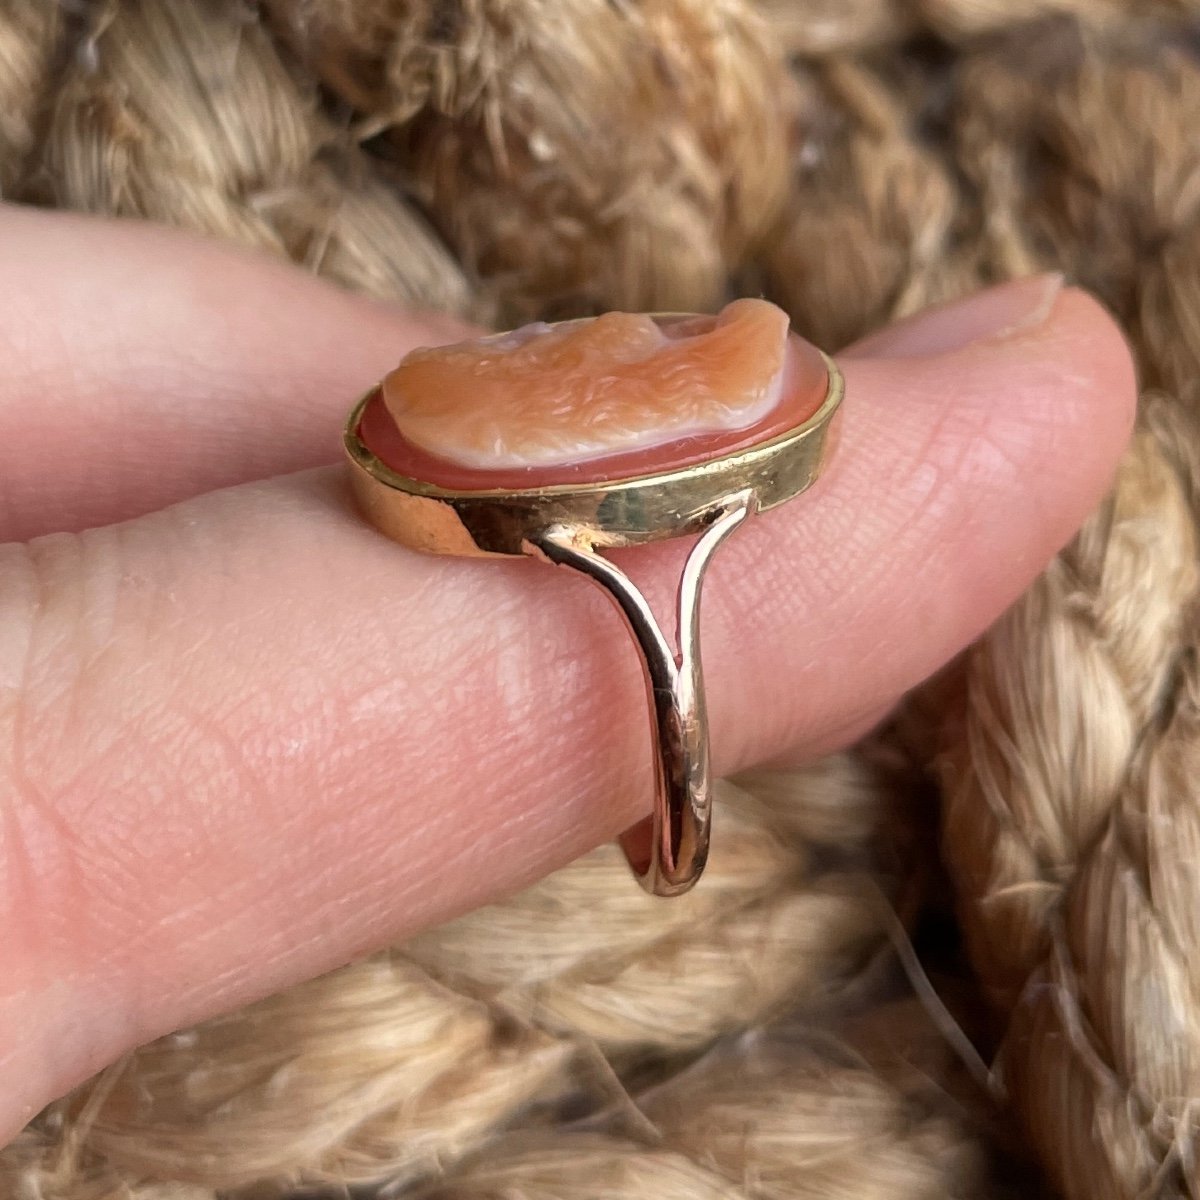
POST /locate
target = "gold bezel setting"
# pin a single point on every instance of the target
(620, 512)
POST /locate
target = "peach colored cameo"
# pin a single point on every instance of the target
(610, 397)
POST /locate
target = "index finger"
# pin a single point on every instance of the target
(247, 738)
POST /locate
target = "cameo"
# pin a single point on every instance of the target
(617, 396)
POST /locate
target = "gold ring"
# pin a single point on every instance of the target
(569, 524)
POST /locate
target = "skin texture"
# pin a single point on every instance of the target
(244, 738)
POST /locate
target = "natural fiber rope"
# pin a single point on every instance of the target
(856, 160)
(134, 125)
(577, 154)
(1072, 824)
(1071, 804)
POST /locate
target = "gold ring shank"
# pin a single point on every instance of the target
(569, 525)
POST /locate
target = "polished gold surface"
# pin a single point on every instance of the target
(568, 525)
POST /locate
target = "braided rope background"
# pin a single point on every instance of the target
(855, 160)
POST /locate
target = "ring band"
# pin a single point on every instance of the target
(569, 525)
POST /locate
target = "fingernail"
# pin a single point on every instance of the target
(995, 314)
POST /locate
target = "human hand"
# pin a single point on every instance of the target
(244, 738)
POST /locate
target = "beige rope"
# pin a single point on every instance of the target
(186, 114)
(1070, 806)
(29, 36)
(580, 154)
(1072, 824)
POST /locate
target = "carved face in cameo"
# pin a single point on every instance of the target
(612, 397)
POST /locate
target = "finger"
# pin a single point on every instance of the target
(248, 738)
(142, 365)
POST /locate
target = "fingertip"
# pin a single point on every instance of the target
(1048, 385)
(957, 476)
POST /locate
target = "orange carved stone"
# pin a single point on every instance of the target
(612, 397)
